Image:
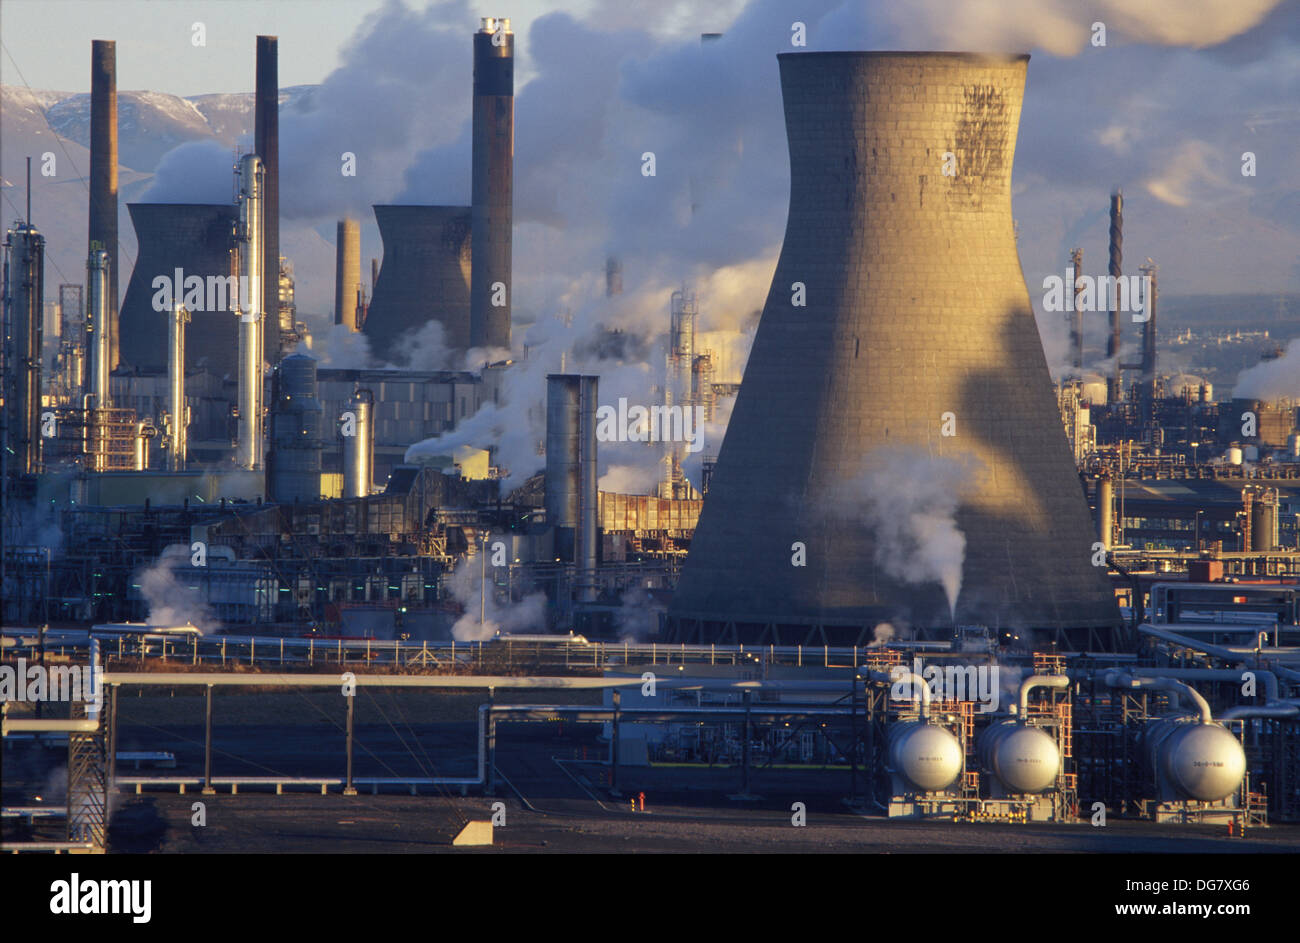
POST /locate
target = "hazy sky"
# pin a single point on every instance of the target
(50, 39)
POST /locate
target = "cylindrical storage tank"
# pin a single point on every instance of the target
(1200, 761)
(1250, 453)
(1233, 456)
(358, 446)
(928, 757)
(1293, 445)
(1024, 759)
(293, 472)
(1263, 523)
(562, 431)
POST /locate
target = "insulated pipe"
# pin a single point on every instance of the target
(1218, 674)
(1227, 654)
(1057, 682)
(1120, 679)
(908, 677)
(1246, 711)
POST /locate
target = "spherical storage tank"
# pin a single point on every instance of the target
(1024, 759)
(1201, 761)
(928, 757)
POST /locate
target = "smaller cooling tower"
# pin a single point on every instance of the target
(293, 466)
(193, 239)
(425, 277)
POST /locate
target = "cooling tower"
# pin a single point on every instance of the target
(425, 277)
(492, 182)
(266, 143)
(196, 239)
(896, 380)
(347, 272)
(103, 175)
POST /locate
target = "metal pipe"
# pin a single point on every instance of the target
(1247, 711)
(1121, 679)
(207, 744)
(252, 174)
(1056, 682)
(179, 412)
(1218, 674)
(908, 677)
(1230, 655)
(348, 788)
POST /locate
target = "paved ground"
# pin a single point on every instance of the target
(554, 801)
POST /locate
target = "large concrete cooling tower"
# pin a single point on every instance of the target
(896, 434)
(195, 238)
(493, 182)
(425, 277)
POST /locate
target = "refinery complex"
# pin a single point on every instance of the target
(868, 545)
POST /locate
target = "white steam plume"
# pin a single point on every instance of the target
(171, 602)
(1272, 379)
(466, 582)
(909, 500)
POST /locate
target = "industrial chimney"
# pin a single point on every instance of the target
(252, 316)
(347, 273)
(570, 495)
(103, 175)
(1115, 382)
(898, 315)
(266, 144)
(491, 291)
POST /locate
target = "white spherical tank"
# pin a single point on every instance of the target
(1201, 761)
(1024, 759)
(928, 757)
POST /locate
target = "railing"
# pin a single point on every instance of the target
(275, 651)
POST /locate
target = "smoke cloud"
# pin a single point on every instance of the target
(171, 602)
(909, 500)
(1272, 379)
(528, 615)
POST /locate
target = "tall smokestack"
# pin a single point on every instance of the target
(613, 277)
(570, 494)
(1151, 294)
(347, 273)
(103, 174)
(842, 376)
(252, 316)
(266, 143)
(1115, 384)
(491, 291)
